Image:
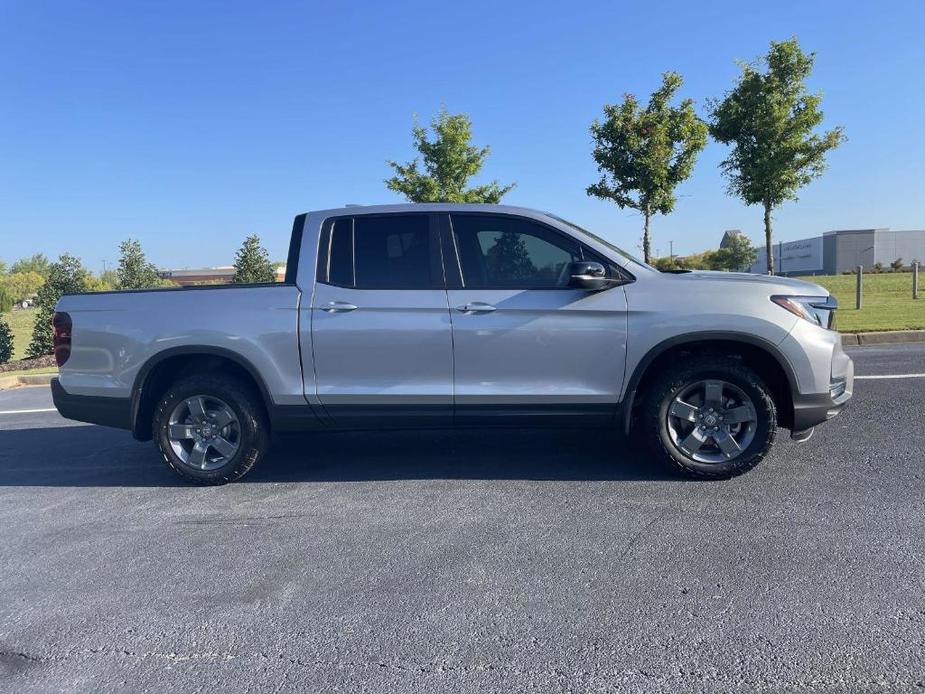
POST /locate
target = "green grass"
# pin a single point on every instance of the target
(887, 305)
(20, 323)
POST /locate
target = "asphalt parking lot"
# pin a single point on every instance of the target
(469, 561)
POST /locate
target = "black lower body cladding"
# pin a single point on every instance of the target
(110, 412)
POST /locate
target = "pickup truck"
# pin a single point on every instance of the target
(439, 315)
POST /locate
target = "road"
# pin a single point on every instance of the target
(469, 562)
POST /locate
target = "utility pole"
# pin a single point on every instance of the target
(671, 252)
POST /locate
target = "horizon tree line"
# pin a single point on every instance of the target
(49, 281)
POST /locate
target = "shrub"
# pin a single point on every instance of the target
(6, 300)
(897, 264)
(6, 342)
(67, 276)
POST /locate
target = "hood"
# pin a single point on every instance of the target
(786, 284)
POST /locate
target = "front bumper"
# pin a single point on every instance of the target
(810, 410)
(93, 409)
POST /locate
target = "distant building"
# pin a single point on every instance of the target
(728, 236)
(842, 250)
(208, 275)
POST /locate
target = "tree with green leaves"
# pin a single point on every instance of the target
(36, 263)
(252, 263)
(738, 254)
(6, 342)
(769, 118)
(449, 161)
(135, 272)
(66, 276)
(643, 153)
(22, 285)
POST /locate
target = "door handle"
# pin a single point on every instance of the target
(338, 307)
(476, 307)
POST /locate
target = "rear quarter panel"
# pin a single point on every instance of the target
(115, 334)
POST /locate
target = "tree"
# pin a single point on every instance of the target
(252, 263)
(897, 265)
(509, 257)
(36, 263)
(22, 285)
(738, 254)
(110, 277)
(6, 342)
(66, 276)
(6, 300)
(449, 161)
(769, 118)
(135, 272)
(99, 283)
(644, 153)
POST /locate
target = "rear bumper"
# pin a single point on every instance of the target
(108, 412)
(810, 410)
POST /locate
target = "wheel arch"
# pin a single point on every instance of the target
(166, 366)
(759, 354)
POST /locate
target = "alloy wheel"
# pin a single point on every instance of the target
(204, 432)
(712, 421)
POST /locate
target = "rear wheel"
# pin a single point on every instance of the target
(210, 429)
(711, 417)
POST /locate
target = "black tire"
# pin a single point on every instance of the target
(252, 428)
(673, 381)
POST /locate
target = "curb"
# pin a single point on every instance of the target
(8, 382)
(891, 337)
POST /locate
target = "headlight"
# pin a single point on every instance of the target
(816, 309)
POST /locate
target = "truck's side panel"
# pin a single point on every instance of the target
(116, 333)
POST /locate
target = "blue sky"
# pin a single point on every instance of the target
(189, 125)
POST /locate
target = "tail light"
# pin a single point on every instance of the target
(61, 337)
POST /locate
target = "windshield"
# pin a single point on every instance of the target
(603, 242)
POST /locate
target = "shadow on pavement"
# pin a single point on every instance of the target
(77, 456)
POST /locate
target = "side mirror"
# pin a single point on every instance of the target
(588, 274)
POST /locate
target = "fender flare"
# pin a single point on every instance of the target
(704, 336)
(144, 373)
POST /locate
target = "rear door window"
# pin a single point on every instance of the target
(384, 252)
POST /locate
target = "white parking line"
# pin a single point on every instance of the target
(862, 378)
(49, 409)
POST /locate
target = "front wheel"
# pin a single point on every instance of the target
(210, 429)
(710, 417)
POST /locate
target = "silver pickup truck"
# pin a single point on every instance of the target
(443, 315)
